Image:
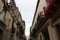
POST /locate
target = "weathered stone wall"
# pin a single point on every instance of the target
(10, 16)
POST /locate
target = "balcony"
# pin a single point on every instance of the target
(52, 6)
(20, 27)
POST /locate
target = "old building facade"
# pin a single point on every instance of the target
(12, 26)
(46, 21)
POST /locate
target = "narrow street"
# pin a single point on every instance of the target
(45, 23)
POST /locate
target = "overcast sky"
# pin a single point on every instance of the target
(27, 9)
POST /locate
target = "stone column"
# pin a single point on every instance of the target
(52, 32)
(6, 35)
(41, 36)
(14, 36)
(38, 36)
